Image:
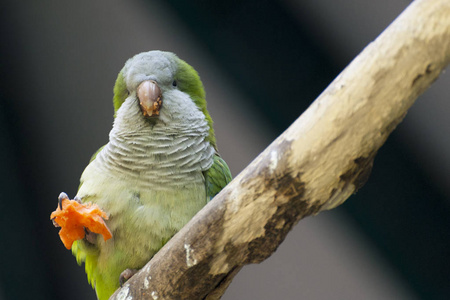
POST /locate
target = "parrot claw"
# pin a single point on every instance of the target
(54, 223)
(125, 275)
(77, 198)
(62, 197)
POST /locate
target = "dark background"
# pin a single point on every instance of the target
(262, 63)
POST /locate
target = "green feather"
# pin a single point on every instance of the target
(189, 82)
(217, 177)
(120, 92)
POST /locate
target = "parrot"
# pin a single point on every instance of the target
(159, 168)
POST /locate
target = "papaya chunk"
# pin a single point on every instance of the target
(73, 217)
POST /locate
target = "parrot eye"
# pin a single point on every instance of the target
(174, 83)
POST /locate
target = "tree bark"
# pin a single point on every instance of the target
(316, 164)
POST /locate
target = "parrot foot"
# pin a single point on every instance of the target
(63, 196)
(125, 275)
(90, 236)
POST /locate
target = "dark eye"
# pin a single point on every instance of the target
(174, 83)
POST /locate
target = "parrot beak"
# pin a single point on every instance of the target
(150, 98)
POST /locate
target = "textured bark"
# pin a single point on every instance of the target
(316, 164)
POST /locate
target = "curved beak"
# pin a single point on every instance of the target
(150, 98)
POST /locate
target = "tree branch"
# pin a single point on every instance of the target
(315, 165)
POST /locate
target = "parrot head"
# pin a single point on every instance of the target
(160, 87)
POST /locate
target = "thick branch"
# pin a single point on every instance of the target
(323, 158)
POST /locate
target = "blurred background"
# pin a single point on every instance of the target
(262, 63)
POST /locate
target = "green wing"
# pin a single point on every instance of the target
(217, 177)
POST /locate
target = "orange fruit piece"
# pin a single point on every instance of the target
(75, 217)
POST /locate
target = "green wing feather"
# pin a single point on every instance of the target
(217, 177)
(87, 254)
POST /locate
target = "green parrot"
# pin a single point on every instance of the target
(159, 168)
